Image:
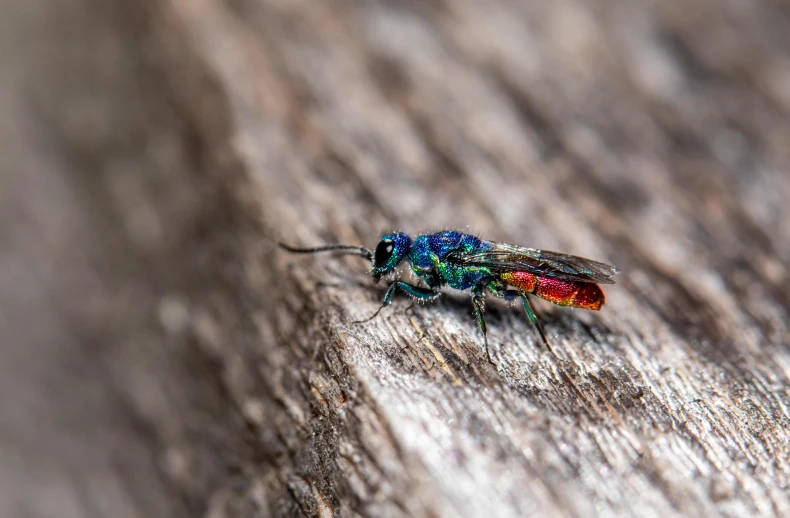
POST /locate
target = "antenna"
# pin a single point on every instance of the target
(347, 249)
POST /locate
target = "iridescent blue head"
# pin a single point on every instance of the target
(391, 250)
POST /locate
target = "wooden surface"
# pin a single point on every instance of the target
(162, 358)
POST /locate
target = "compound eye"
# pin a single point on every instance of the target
(384, 252)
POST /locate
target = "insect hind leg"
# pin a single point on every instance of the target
(508, 295)
(534, 319)
(512, 295)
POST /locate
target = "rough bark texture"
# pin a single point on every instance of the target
(161, 357)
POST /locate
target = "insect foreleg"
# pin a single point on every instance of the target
(433, 280)
(414, 292)
(478, 300)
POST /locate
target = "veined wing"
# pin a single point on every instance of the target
(502, 257)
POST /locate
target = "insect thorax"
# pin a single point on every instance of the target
(429, 254)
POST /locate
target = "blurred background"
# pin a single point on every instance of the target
(151, 152)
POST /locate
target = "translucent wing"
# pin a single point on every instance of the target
(503, 257)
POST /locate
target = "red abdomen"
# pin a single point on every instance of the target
(585, 295)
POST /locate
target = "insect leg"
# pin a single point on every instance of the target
(511, 295)
(508, 295)
(433, 282)
(534, 319)
(478, 300)
(414, 292)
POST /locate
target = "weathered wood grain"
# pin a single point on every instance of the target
(166, 359)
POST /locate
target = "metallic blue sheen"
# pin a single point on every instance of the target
(401, 246)
(430, 250)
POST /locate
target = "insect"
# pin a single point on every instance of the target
(466, 262)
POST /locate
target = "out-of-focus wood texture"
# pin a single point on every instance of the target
(161, 357)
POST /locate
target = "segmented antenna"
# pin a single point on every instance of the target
(347, 249)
